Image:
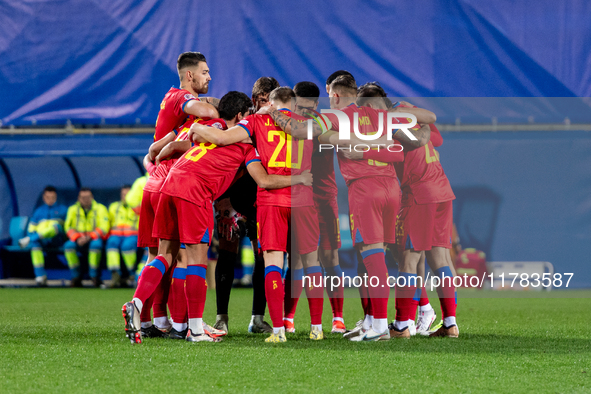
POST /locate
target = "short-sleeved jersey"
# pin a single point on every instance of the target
(276, 152)
(368, 119)
(157, 178)
(422, 175)
(172, 112)
(203, 172)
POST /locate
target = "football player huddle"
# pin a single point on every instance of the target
(265, 164)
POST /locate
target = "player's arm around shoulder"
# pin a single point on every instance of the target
(157, 146)
(200, 109)
(210, 100)
(266, 181)
(424, 116)
(291, 125)
(202, 133)
(422, 136)
(172, 148)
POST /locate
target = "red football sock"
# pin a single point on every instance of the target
(336, 294)
(274, 292)
(315, 293)
(405, 305)
(336, 302)
(195, 290)
(161, 294)
(412, 310)
(446, 292)
(424, 297)
(365, 303)
(146, 315)
(363, 290)
(151, 276)
(293, 291)
(177, 300)
(375, 262)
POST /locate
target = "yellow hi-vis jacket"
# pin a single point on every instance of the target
(134, 196)
(123, 219)
(95, 222)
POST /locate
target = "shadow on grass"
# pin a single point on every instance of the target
(467, 343)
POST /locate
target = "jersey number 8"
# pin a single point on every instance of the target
(199, 151)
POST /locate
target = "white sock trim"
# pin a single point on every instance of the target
(425, 308)
(196, 325)
(338, 319)
(138, 304)
(400, 325)
(449, 321)
(367, 322)
(380, 325)
(161, 322)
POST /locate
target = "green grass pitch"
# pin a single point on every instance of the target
(72, 340)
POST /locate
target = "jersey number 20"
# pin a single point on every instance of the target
(285, 140)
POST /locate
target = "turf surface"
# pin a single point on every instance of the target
(72, 340)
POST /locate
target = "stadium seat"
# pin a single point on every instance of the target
(17, 230)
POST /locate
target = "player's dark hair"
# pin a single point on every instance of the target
(370, 90)
(283, 94)
(346, 84)
(50, 188)
(126, 186)
(232, 104)
(84, 189)
(336, 74)
(307, 89)
(189, 59)
(264, 85)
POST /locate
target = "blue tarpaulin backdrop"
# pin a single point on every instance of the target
(521, 196)
(88, 60)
